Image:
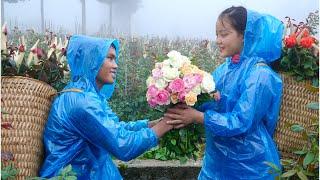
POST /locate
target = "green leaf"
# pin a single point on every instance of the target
(308, 159)
(297, 128)
(313, 105)
(300, 152)
(183, 160)
(289, 173)
(275, 167)
(302, 176)
(173, 141)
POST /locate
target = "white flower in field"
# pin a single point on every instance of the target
(197, 89)
(4, 39)
(21, 51)
(150, 81)
(207, 84)
(169, 73)
(33, 55)
(161, 83)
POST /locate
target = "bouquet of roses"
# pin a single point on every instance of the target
(176, 80)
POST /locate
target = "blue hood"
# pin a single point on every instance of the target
(262, 37)
(85, 56)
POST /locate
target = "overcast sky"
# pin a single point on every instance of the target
(171, 18)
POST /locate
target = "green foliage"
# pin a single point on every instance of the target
(64, 174)
(182, 144)
(9, 172)
(300, 60)
(306, 163)
(301, 63)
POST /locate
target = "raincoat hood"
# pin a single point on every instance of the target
(262, 37)
(85, 56)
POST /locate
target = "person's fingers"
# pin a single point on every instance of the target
(179, 126)
(175, 111)
(172, 116)
(182, 106)
(174, 122)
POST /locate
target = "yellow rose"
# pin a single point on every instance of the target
(188, 69)
(174, 98)
(191, 98)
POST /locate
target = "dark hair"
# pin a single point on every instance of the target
(113, 46)
(237, 15)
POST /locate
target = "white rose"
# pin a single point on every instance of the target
(166, 63)
(185, 60)
(150, 81)
(197, 89)
(161, 83)
(170, 74)
(173, 54)
(207, 84)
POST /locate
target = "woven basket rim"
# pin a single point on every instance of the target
(31, 79)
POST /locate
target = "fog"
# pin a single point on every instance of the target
(164, 18)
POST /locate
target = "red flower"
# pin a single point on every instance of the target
(290, 41)
(306, 42)
(235, 58)
(21, 48)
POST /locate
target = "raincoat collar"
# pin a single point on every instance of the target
(85, 56)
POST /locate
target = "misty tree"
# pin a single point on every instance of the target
(125, 10)
(2, 7)
(83, 12)
(16, 1)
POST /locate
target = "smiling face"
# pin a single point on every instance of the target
(229, 40)
(108, 70)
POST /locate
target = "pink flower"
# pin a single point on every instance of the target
(152, 91)
(181, 96)
(152, 102)
(157, 73)
(198, 78)
(176, 85)
(192, 80)
(163, 97)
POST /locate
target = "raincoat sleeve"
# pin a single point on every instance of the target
(256, 94)
(131, 125)
(94, 125)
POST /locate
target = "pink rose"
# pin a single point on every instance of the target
(192, 80)
(181, 96)
(163, 97)
(152, 91)
(198, 78)
(152, 102)
(176, 85)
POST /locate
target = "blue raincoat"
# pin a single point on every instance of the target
(239, 127)
(82, 130)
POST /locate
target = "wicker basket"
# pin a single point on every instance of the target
(296, 96)
(27, 102)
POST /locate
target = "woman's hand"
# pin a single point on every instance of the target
(182, 115)
(154, 122)
(162, 127)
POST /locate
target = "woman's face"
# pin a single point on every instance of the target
(108, 70)
(229, 41)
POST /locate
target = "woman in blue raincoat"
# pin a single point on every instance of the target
(82, 130)
(239, 127)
